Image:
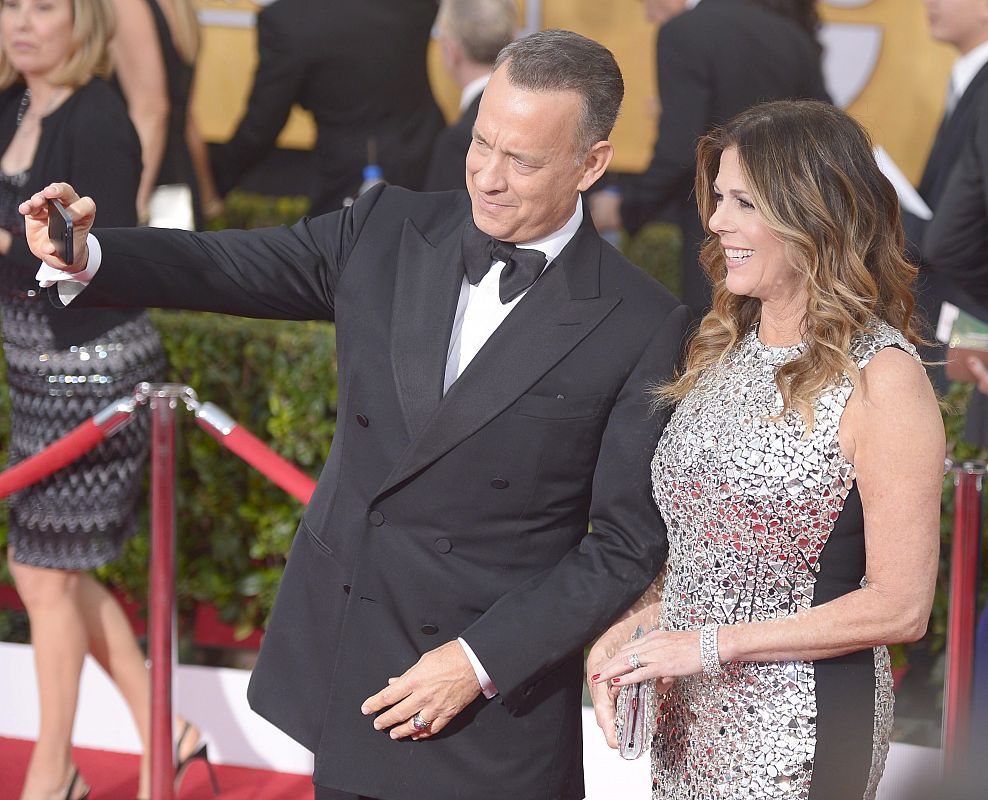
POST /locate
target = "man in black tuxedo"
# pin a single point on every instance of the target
(951, 247)
(714, 59)
(471, 34)
(360, 68)
(962, 24)
(484, 421)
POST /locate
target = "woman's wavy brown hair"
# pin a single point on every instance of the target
(812, 177)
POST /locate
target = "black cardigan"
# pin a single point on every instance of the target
(88, 142)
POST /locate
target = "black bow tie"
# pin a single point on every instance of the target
(522, 266)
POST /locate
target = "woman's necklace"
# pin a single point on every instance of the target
(22, 109)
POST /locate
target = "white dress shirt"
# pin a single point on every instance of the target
(963, 72)
(472, 89)
(479, 312)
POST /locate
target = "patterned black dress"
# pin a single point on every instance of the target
(79, 517)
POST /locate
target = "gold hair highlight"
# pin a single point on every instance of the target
(812, 176)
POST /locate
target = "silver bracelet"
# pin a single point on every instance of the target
(709, 655)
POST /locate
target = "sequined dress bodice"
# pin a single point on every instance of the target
(749, 501)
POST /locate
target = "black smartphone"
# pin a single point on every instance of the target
(60, 230)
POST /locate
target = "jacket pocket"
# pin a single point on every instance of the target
(561, 408)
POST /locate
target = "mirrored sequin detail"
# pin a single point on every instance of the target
(750, 502)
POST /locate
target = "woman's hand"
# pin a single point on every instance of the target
(603, 695)
(980, 372)
(82, 210)
(663, 655)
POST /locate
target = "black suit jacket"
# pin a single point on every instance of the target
(713, 62)
(437, 517)
(956, 239)
(954, 242)
(953, 134)
(447, 166)
(360, 68)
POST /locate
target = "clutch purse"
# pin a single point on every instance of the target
(635, 722)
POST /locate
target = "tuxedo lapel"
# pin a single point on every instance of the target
(950, 137)
(561, 309)
(427, 287)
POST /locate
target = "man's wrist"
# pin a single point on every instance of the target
(486, 683)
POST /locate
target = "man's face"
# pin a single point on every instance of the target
(660, 12)
(523, 168)
(961, 23)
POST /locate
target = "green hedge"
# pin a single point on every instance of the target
(235, 527)
(279, 380)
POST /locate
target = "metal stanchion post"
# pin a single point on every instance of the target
(164, 400)
(959, 678)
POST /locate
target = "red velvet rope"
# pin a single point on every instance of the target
(959, 672)
(283, 473)
(57, 455)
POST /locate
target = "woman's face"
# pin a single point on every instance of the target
(37, 34)
(757, 261)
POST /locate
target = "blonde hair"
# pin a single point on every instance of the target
(186, 32)
(812, 176)
(93, 25)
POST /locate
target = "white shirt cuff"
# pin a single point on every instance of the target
(71, 283)
(486, 684)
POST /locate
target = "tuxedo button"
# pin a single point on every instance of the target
(499, 483)
(443, 545)
(362, 421)
(376, 518)
(346, 588)
(430, 630)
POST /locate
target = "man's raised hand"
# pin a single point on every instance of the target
(81, 210)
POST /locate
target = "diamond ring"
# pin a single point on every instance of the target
(633, 660)
(420, 723)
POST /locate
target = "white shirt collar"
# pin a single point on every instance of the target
(472, 90)
(692, 4)
(553, 244)
(966, 67)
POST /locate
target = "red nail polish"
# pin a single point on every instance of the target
(594, 677)
(615, 680)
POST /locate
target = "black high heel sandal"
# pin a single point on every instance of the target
(72, 783)
(201, 753)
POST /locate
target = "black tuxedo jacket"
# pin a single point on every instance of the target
(956, 239)
(447, 166)
(713, 62)
(952, 136)
(360, 68)
(437, 517)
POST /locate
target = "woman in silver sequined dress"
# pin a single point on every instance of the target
(799, 477)
(57, 120)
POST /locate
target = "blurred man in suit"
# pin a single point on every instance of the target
(360, 69)
(951, 248)
(495, 361)
(471, 33)
(714, 59)
(963, 24)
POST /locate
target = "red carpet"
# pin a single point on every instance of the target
(113, 776)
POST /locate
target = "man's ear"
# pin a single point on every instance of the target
(595, 164)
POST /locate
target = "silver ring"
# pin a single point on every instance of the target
(420, 723)
(633, 660)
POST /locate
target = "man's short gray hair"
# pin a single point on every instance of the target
(482, 27)
(558, 61)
